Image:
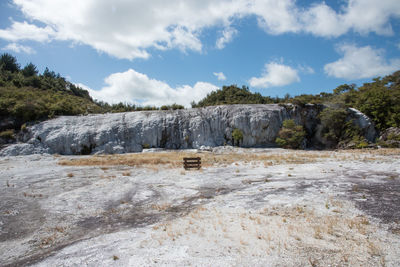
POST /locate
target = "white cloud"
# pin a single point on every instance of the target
(276, 17)
(129, 29)
(227, 36)
(360, 16)
(220, 76)
(306, 69)
(275, 74)
(25, 31)
(360, 62)
(321, 20)
(17, 48)
(134, 87)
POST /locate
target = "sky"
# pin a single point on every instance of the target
(156, 52)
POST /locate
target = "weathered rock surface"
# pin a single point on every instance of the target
(191, 128)
(390, 137)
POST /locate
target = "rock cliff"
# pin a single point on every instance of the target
(191, 128)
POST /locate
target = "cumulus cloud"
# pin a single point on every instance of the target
(134, 87)
(220, 76)
(25, 31)
(275, 74)
(17, 48)
(360, 62)
(227, 36)
(129, 29)
(358, 15)
(276, 17)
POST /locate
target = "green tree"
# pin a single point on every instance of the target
(237, 136)
(49, 74)
(232, 95)
(8, 63)
(29, 70)
(291, 135)
(344, 88)
(333, 121)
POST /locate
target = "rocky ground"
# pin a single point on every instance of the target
(250, 207)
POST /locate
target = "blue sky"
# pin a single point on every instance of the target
(160, 52)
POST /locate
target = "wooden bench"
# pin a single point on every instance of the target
(192, 163)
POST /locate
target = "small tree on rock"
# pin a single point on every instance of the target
(237, 136)
(291, 135)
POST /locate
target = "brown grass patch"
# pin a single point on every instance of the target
(174, 159)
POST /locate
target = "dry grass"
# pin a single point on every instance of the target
(174, 159)
(32, 195)
(314, 238)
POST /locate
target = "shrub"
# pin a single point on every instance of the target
(7, 134)
(24, 128)
(237, 136)
(146, 146)
(333, 121)
(360, 142)
(291, 135)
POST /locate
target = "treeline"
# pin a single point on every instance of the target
(27, 95)
(379, 99)
(126, 107)
(234, 95)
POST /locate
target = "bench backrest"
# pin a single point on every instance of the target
(192, 163)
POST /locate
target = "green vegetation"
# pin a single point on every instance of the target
(379, 99)
(291, 135)
(233, 95)
(333, 121)
(390, 138)
(237, 136)
(7, 134)
(171, 107)
(26, 95)
(146, 146)
(338, 130)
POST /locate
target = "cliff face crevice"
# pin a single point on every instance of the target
(180, 129)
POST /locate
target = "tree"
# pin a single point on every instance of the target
(9, 63)
(333, 121)
(237, 136)
(291, 135)
(232, 95)
(29, 70)
(49, 74)
(344, 88)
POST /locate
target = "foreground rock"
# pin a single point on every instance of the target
(390, 137)
(192, 128)
(251, 207)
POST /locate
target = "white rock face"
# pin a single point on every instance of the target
(133, 131)
(364, 122)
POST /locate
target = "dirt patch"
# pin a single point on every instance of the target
(381, 200)
(19, 217)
